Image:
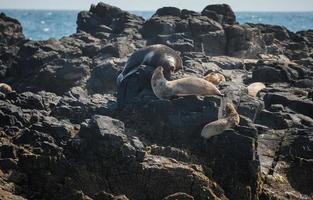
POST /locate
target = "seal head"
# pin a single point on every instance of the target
(154, 55)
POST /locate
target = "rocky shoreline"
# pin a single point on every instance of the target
(62, 136)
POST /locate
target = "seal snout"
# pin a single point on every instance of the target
(221, 95)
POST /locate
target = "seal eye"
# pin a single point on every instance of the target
(172, 68)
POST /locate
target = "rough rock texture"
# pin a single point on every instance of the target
(63, 136)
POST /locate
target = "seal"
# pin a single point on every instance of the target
(5, 88)
(254, 88)
(215, 78)
(165, 89)
(154, 55)
(218, 126)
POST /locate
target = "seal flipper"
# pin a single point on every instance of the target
(121, 77)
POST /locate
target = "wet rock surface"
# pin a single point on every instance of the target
(63, 135)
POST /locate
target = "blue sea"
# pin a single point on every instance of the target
(43, 24)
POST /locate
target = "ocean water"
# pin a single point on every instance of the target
(43, 24)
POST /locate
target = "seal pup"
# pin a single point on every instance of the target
(154, 55)
(218, 126)
(254, 88)
(165, 89)
(5, 88)
(215, 78)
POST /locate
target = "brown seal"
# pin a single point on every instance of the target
(165, 89)
(5, 88)
(218, 126)
(154, 55)
(215, 78)
(254, 88)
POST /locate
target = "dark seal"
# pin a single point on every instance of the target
(139, 68)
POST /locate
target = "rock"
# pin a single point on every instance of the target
(103, 78)
(106, 196)
(225, 62)
(273, 74)
(163, 26)
(284, 174)
(177, 41)
(220, 12)
(66, 134)
(202, 25)
(165, 11)
(291, 101)
(106, 18)
(214, 43)
(61, 76)
(224, 159)
(243, 41)
(57, 129)
(121, 48)
(179, 196)
(272, 120)
(11, 30)
(157, 165)
(11, 115)
(304, 83)
(7, 195)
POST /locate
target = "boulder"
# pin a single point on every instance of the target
(104, 18)
(222, 13)
(243, 41)
(10, 30)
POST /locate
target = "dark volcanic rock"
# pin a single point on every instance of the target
(221, 13)
(10, 30)
(106, 18)
(66, 134)
(244, 41)
(103, 78)
(170, 11)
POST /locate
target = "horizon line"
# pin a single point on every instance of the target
(65, 9)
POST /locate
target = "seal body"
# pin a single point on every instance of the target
(165, 89)
(217, 127)
(254, 88)
(5, 88)
(154, 55)
(215, 78)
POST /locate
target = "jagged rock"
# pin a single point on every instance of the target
(304, 83)
(64, 74)
(272, 120)
(202, 25)
(220, 12)
(163, 26)
(243, 41)
(226, 162)
(273, 74)
(225, 62)
(11, 115)
(57, 129)
(304, 107)
(168, 11)
(191, 173)
(214, 43)
(8, 195)
(11, 30)
(106, 18)
(106, 196)
(62, 135)
(103, 78)
(179, 196)
(119, 49)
